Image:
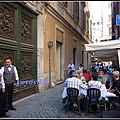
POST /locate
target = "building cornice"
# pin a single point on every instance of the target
(38, 7)
(33, 6)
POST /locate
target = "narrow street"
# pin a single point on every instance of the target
(48, 104)
(43, 42)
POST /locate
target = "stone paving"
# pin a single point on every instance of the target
(48, 104)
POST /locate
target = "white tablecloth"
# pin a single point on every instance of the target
(103, 90)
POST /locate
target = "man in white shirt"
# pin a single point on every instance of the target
(71, 68)
(10, 74)
(74, 82)
(81, 67)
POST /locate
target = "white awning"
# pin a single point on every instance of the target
(103, 49)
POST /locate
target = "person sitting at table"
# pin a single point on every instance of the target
(81, 77)
(74, 82)
(93, 83)
(109, 79)
(86, 75)
(111, 92)
(101, 77)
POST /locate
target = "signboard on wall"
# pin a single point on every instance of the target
(118, 20)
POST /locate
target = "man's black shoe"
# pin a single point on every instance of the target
(12, 108)
(6, 110)
(7, 115)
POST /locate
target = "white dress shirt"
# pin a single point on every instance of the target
(71, 67)
(2, 80)
(94, 84)
(15, 71)
(81, 69)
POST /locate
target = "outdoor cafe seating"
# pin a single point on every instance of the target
(84, 91)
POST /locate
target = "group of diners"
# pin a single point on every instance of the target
(100, 80)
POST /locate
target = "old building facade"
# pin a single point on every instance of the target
(42, 38)
(115, 8)
(67, 29)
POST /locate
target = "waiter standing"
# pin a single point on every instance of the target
(10, 74)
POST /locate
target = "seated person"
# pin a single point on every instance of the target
(101, 77)
(111, 92)
(109, 79)
(73, 82)
(86, 75)
(93, 83)
(81, 77)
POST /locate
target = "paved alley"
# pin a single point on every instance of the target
(48, 104)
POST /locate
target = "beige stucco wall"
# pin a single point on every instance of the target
(50, 35)
(47, 30)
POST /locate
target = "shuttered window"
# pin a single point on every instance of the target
(65, 4)
(76, 11)
(74, 44)
(59, 36)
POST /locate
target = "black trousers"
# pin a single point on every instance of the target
(9, 89)
(2, 104)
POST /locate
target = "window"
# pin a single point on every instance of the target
(96, 40)
(94, 29)
(74, 56)
(93, 24)
(84, 21)
(76, 11)
(82, 57)
(65, 4)
(93, 37)
(87, 27)
(97, 23)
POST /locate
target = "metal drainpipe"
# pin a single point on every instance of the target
(49, 67)
(50, 44)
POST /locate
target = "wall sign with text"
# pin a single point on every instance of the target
(118, 20)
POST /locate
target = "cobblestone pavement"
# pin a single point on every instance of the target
(48, 104)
